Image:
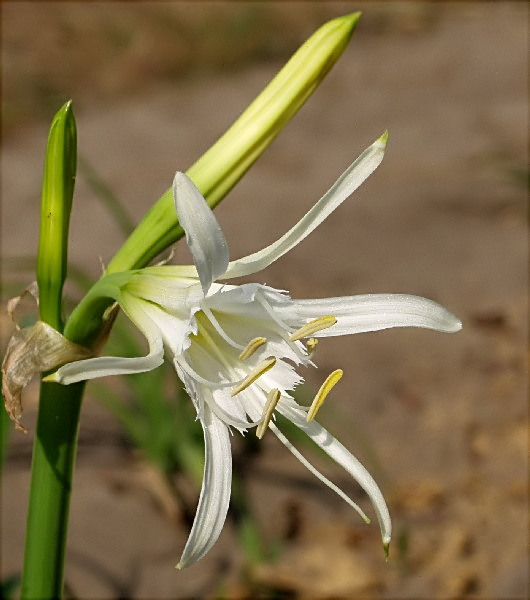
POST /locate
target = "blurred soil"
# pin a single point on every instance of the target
(440, 420)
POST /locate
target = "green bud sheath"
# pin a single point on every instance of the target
(56, 203)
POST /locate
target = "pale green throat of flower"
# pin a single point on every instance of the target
(237, 348)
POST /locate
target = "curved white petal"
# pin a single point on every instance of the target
(372, 312)
(317, 473)
(345, 185)
(92, 368)
(347, 461)
(255, 409)
(204, 236)
(215, 492)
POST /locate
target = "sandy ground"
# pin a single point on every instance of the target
(440, 420)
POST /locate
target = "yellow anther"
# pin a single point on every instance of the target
(272, 400)
(325, 389)
(251, 347)
(311, 345)
(263, 367)
(312, 327)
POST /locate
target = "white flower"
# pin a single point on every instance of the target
(236, 348)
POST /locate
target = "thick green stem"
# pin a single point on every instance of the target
(52, 468)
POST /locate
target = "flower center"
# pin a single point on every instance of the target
(229, 350)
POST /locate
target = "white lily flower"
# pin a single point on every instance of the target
(236, 348)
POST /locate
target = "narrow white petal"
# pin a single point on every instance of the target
(215, 492)
(345, 185)
(204, 236)
(317, 473)
(175, 330)
(372, 312)
(92, 368)
(347, 461)
(255, 408)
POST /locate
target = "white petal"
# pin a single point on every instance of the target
(255, 408)
(215, 492)
(345, 185)
(317, 473)
(203, 233)
(92, 368)
(347, 461)
(282, 376)
(372, 312)
(230, 409)
(175, 329)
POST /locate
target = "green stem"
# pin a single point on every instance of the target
(52, 468)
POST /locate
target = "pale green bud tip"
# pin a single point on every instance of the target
(65, 111)
(349, 20)
(384, 138)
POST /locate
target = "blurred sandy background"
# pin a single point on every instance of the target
(440, 420)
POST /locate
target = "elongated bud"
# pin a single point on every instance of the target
(56, 203)
(221, 167)
(32, 350)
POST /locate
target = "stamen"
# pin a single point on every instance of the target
(312, 327)
(325, 389)
(263, 367)
(251, 347)
(272, 400)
